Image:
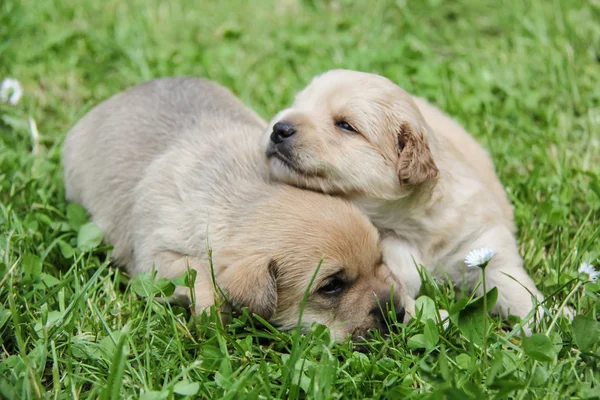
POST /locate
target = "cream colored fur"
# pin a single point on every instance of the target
(427, 185)
(173, 166)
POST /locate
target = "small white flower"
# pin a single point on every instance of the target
(11, 91)
(587, 268)
(479, 257)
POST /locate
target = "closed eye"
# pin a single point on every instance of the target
(345, 126)
(333, 287)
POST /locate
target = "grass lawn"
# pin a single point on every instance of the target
(522, 76)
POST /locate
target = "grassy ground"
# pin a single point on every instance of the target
(521, 75)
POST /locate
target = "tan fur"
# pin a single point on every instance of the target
(423, 180)
(172, 167)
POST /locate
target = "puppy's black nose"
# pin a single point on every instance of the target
(281, 131)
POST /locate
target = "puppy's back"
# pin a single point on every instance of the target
(468, 151)
(108, 151)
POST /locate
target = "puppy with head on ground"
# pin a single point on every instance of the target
(172, 166)
(428, 186)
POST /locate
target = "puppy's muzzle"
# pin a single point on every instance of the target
(282, 131)
(380, 313)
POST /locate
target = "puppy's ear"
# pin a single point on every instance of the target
(251, 283)
(415, 162)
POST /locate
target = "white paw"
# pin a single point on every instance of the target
(444, 318)
(568, 312)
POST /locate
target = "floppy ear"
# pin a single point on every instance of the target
(251, 283)
(415, 163)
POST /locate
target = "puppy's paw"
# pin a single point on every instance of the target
(444, 318)
(569, 313)
(409, 309)
(527, 329)
(410, 312)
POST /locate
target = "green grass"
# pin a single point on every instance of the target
(522, 76)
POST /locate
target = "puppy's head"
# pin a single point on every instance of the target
(352, 291)
(351, 133)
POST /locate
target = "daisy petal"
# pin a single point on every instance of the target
(11, 91)
(590, 271)
(479, 257)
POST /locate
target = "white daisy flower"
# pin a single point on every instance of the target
(479, 257)
(11, 91)
(590, 271)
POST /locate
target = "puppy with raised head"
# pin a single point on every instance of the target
(168, 166)
(427, 185)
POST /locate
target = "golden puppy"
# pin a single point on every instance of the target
(168, 166)
(421, 178)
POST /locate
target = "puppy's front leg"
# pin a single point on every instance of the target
(516, 289)
(169, 264)
(403, 259)
(505, 271)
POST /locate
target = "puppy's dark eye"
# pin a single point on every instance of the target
(333, 287)
(345, 126)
